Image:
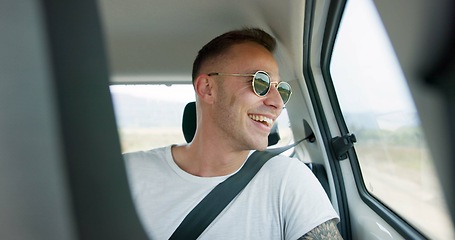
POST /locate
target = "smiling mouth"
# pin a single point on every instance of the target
(264, 120)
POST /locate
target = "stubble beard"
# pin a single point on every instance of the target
(232, 126)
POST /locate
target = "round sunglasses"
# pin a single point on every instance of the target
(261, 84)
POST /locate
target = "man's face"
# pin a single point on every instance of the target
(244, 118)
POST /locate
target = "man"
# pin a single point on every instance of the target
(234, 116)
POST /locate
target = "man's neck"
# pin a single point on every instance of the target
(208, 160)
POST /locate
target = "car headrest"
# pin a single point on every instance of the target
(189, 125)
(189, 121)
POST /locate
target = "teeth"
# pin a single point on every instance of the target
(258, 118)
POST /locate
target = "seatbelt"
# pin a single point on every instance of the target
(213, 204)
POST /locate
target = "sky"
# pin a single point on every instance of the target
(364, 61)
(178, 92)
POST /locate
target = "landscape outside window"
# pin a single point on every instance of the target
(395, 162)
(150, 116)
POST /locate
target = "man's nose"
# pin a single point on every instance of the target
(273, 98)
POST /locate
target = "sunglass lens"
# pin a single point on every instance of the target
(285, 91)
(261, 83)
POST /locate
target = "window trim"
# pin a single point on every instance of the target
(345, 224)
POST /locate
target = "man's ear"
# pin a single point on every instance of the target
(204, 87)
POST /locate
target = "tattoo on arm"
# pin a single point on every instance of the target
(327, 230)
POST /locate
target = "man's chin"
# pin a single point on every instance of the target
(261, 147)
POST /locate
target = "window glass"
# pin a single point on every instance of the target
(396, 166)
(150, 116)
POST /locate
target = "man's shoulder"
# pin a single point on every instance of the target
(161, 152)
(286, 161)
(148, 162)
(284, 165)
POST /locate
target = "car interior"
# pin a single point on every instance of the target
(62, 174)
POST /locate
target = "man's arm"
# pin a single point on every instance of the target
(327, 230)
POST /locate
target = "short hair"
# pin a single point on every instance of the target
(222, 43)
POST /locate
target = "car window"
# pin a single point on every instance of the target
(150, 116)
(396, 165)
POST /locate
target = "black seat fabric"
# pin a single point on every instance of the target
(189, 125)
(189, 121)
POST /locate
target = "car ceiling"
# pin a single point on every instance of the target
(157, 41)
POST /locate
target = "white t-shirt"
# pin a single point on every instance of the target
(283, 201)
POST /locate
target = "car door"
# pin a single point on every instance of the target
(378, 143)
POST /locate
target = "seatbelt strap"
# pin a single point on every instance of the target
(213, 204)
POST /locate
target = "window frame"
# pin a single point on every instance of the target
(336, 11)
